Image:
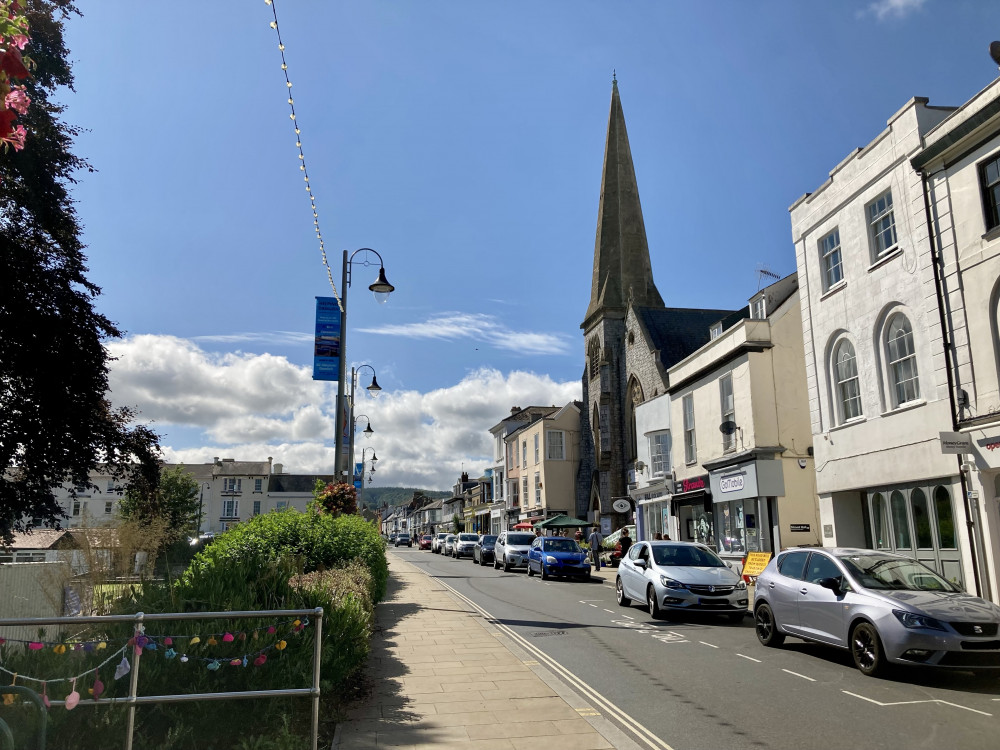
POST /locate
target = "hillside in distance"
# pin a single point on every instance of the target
(377, 496)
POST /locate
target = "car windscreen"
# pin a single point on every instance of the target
(489, 539)
(886, 573)
(520, 538)
(450, 538)
(696, 557)
(560, 545)
(468, 537)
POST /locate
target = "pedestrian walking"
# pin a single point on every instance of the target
(594, 540)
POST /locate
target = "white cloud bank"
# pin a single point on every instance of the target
(251, 406)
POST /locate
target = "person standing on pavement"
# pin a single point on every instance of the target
(594, 540)
(625, 541)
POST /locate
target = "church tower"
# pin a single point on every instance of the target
(622, 278)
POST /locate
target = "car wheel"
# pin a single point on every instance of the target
(767, 629)
(530, 571)
(866, 648)
(623, 601)
(496, 564)
(541, 571)
(506, 565)
(653, 605)
(737, 617)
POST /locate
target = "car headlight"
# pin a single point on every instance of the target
(550, 560)
(741, 586)
(670, 583)
(913, 621)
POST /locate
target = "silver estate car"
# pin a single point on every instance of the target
(511, 549)
(438, 542)
(448, 545)
(884, 608)
(465, 545)
(680, 576)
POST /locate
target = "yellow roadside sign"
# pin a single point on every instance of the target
(756, 562)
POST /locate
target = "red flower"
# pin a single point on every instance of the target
(12, 64)
(7, 117)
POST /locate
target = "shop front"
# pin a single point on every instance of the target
(653, 510)
(744, 504)
(692, 506)
(497, 513)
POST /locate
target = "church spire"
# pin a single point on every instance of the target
(622, 270)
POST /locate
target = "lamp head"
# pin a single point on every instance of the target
(381, 288)
(368, 432)
(374, 388)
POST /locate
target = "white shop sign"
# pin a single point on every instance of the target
(731, 483)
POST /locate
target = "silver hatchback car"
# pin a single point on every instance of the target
(511, 549)
(884, 608)
(680, 576)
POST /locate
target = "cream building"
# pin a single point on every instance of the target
(741, 440)
(875, 355)
(960, 168)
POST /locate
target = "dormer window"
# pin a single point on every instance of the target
(758, 309)
(715, 331)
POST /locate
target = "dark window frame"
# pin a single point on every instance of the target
(990, 192)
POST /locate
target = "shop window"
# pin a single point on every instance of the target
(900, 520)
(880, 522)
(921, 519)
(730, 527)
(946, 519)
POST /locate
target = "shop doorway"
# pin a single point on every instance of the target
(918, 521)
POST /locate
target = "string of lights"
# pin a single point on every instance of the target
(302, 156)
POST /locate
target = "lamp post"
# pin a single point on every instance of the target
(374, 389)
(381, 289)
(361, 495)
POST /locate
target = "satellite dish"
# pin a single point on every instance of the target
(728, 427)
(995, 52)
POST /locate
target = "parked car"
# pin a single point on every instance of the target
(557, 556)
(680, 577)
(465, 544)
(425, 541)
(438, 543)
(884, 608)
(403, 538)
(448, 546)
(484, 550)
(511, 549)
(392, 537)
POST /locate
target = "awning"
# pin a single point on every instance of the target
(523, 526)
(562, 522)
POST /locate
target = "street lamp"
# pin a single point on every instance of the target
(374, 389)
(381, 288)
(374, 458)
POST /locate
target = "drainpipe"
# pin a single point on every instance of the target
(973, 522)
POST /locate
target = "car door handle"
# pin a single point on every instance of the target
(770, 584)
(803, 591)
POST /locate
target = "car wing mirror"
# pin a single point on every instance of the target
(834, 584)
(640, 563)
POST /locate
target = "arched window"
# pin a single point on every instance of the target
(901, 361)
(633, 399)
(846, 385)
(594, 355)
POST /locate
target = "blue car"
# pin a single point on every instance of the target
(557, 556)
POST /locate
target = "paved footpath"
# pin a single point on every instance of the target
(442, 677)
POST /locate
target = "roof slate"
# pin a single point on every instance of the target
(296, 482)
(678, 332)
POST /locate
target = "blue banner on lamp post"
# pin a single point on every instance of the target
(326, 349)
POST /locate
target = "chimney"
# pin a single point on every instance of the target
(278, 468)
(515, 409)
(465, 476)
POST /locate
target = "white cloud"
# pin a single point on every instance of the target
(265, 337)
(883, 9)
(250, 407)
(479, 327)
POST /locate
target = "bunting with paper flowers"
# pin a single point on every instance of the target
(216, 650)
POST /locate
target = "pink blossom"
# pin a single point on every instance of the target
(20, 40)
(17, 137)
(18, 100)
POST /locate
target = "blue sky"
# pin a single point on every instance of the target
(464, 142)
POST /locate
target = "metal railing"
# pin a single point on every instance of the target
(133, 699)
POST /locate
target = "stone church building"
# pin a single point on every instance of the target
(631, 338)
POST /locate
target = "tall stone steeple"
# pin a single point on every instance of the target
(622, 270)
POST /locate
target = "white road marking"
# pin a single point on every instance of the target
(707, 644)
(910, 703)
(609, 611)
(628, 617)
(750, 658)
(592, 605)
(799, 675)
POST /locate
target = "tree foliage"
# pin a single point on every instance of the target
(56, 421)
(174, 499)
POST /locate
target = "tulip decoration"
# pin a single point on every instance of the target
(73, 698)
